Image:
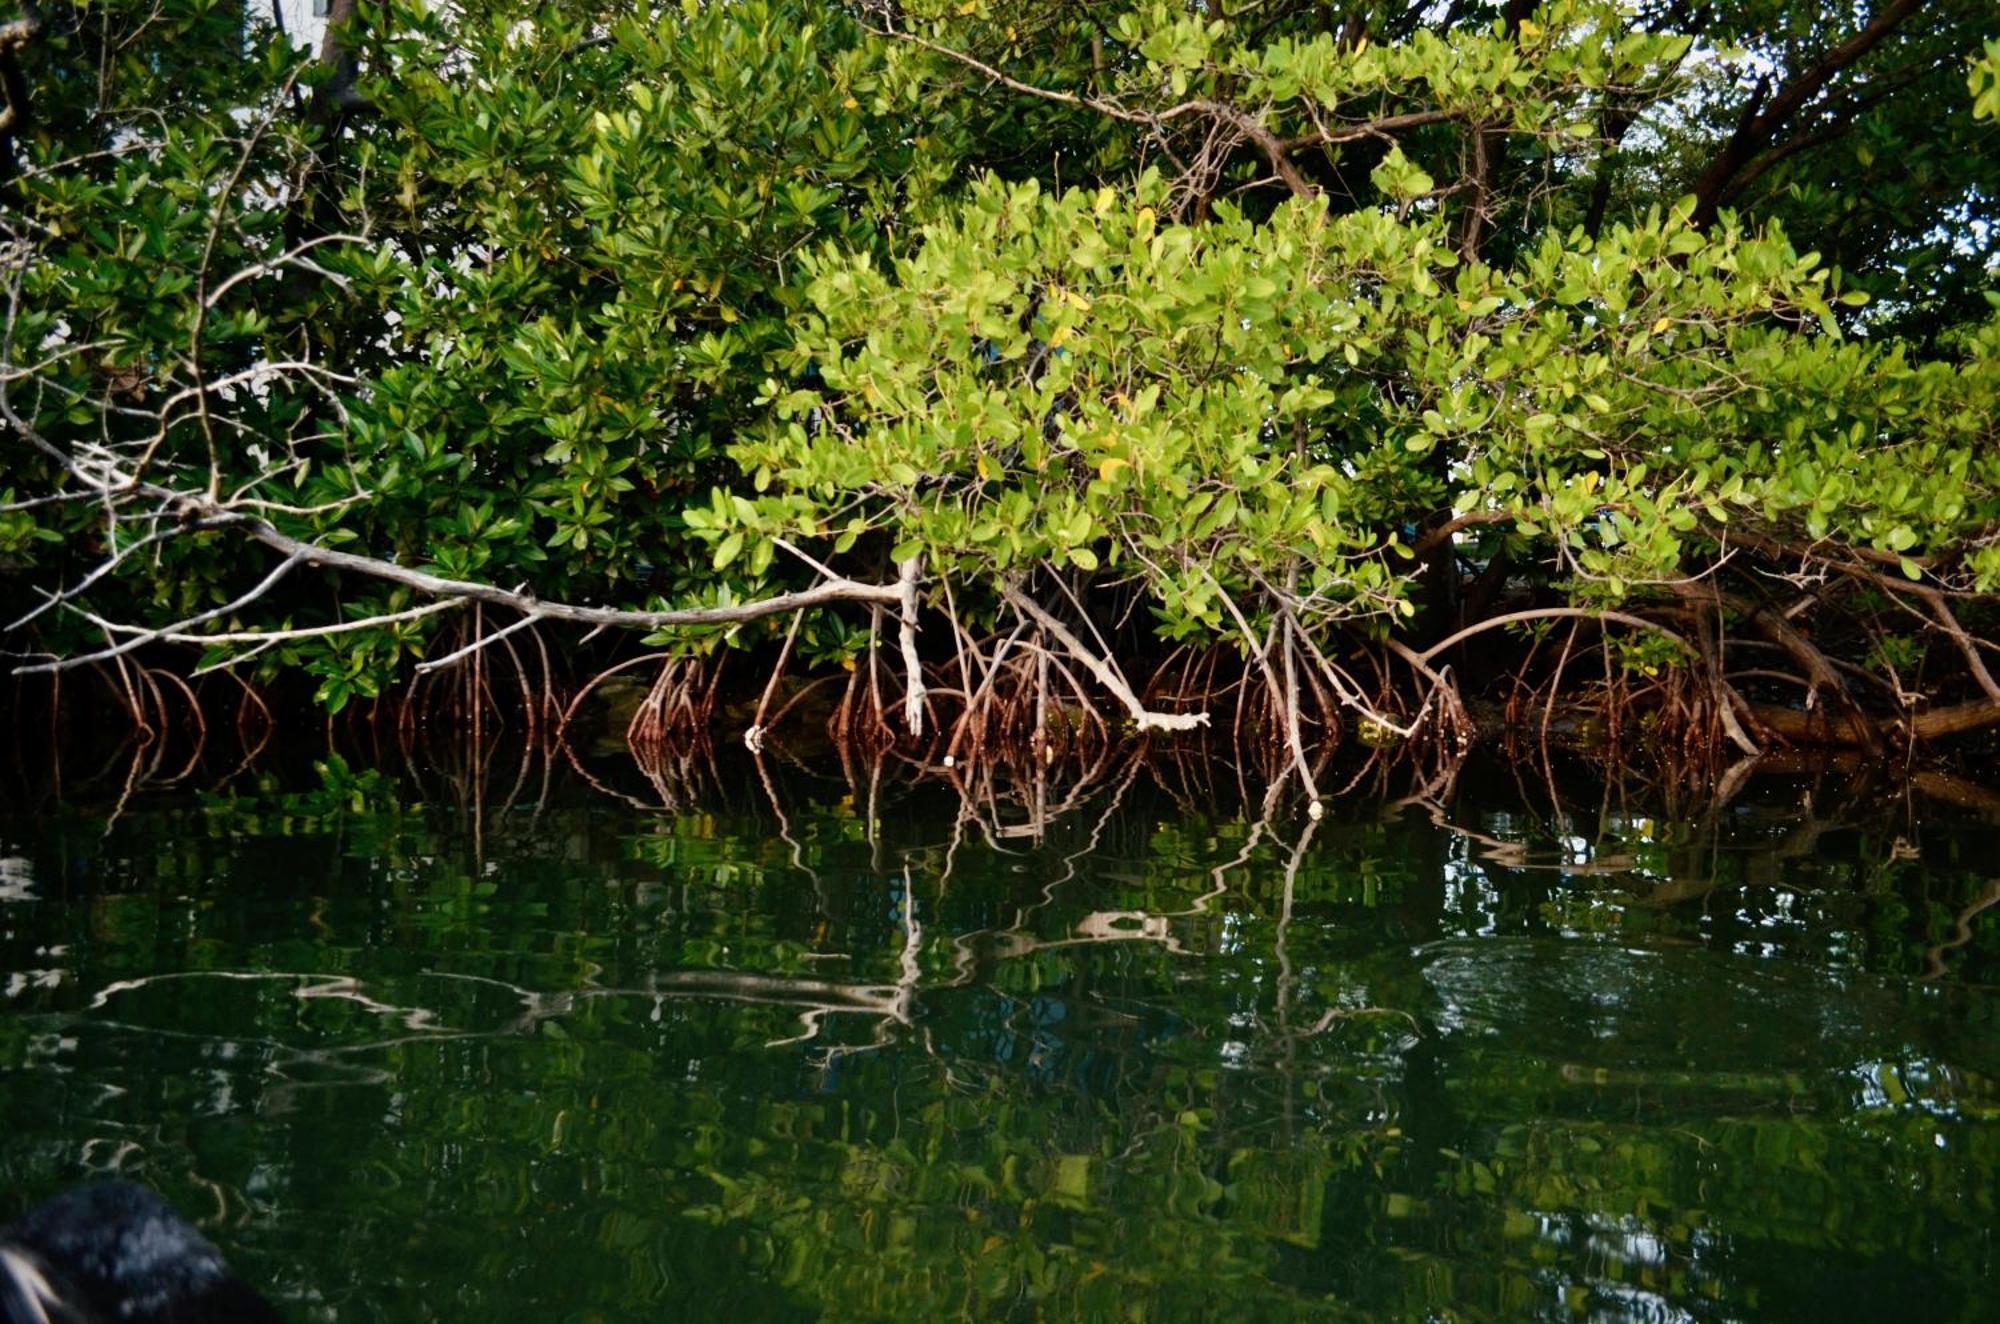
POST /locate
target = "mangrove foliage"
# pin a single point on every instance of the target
(1022, 375)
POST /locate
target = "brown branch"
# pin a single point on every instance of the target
(1817, 667)
(336, 96)
(1966, 643)
(1489, 141)
(1381, 127)
(1957, 720)
(1437, 537)
(1923, 728)
(1763, 121)
(753, 739)
(14, 117)
(1551, 613)
(1730, 707)
(1780, 549)
(1805, 139)
(1267, 142)
(1277, 151)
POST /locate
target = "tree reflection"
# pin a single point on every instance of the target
(874, 1044)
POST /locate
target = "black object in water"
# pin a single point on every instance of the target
(118, 1252)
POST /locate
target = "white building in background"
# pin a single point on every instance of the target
(304, 20)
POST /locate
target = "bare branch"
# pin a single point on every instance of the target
(105, 567)
(1102, 668)
(836, 590)
(913, 670)
(290, 257)
(1762, 122)
(144, 637)
(440, 663)
(1276, 150)
(1966, 643)
(1551, 613)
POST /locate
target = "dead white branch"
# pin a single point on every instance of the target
(143, 637)
(483, 641)
(1102, 668)
(913, 671)
(260, 639)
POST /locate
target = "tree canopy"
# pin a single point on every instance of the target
(1330, 338)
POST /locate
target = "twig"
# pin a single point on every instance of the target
(481, 641)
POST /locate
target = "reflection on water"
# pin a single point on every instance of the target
(800, 1046)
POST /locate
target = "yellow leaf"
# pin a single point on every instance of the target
(1662, 325)
(1530, 29)
(984, 466)
(967, 7)
(1059, 335)
(1112, 466)
(1145, 221)
(1076, 301)
(850, 104)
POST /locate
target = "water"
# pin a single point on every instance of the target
(1496, 1056)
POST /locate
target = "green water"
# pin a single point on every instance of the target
(1504, 1056)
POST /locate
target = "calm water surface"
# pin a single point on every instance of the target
(780, 1052)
